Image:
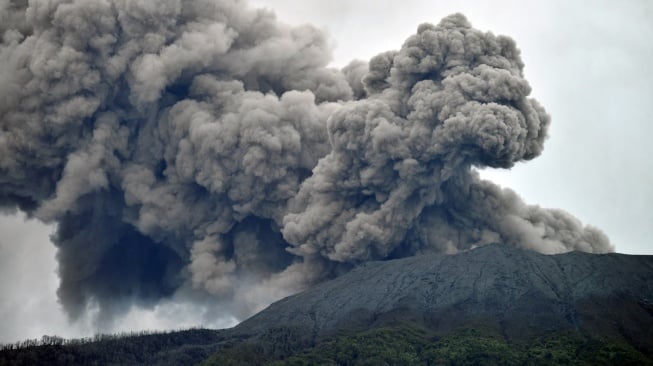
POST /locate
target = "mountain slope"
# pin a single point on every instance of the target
(518, 292)
(491, 305)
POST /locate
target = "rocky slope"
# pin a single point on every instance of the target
(493, 305)
(518, 292)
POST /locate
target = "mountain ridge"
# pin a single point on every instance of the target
(548, 291)
(493, 304)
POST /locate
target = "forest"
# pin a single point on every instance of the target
(405, 344)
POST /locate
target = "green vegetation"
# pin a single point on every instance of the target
(275, 344)
(288, 346)
(180, 347)
(414, 346)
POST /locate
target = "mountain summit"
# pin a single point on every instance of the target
(496, 304)
(519, 292)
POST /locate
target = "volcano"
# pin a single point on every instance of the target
(496, 304)
(519, 292)
(493, 304)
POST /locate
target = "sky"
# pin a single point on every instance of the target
(587, 63)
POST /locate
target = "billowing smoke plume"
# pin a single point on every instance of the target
(201, 146)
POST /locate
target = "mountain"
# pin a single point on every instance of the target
(494, 304)
(590, 308)
(517, 290)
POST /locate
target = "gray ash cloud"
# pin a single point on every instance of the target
(204, 147)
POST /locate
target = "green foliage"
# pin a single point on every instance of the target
(597, 352)
(393, 345)
(181, 347)
(470, 347)
(275, 344)
(409, 345)
(383, 346)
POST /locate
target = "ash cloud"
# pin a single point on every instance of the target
(202, 147)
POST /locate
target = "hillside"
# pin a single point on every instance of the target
(495, 304)
(517, 291)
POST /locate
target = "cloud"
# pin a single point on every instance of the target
(202, 149)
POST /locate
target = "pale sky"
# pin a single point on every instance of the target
(587, 63)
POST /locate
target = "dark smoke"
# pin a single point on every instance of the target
(203, 146)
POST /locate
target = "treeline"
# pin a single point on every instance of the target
(47, 340)
(400, 344)
(176, 347)
(409, 345)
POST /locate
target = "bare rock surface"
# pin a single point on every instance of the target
(519, 291)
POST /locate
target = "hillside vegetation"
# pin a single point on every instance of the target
(392, 345)
(181, 347)
(495, 305)
(410, 345)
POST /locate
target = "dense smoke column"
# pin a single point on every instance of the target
(203, 146)
(164, 138)
(398, 179)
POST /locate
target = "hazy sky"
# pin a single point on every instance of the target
(587, 62)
